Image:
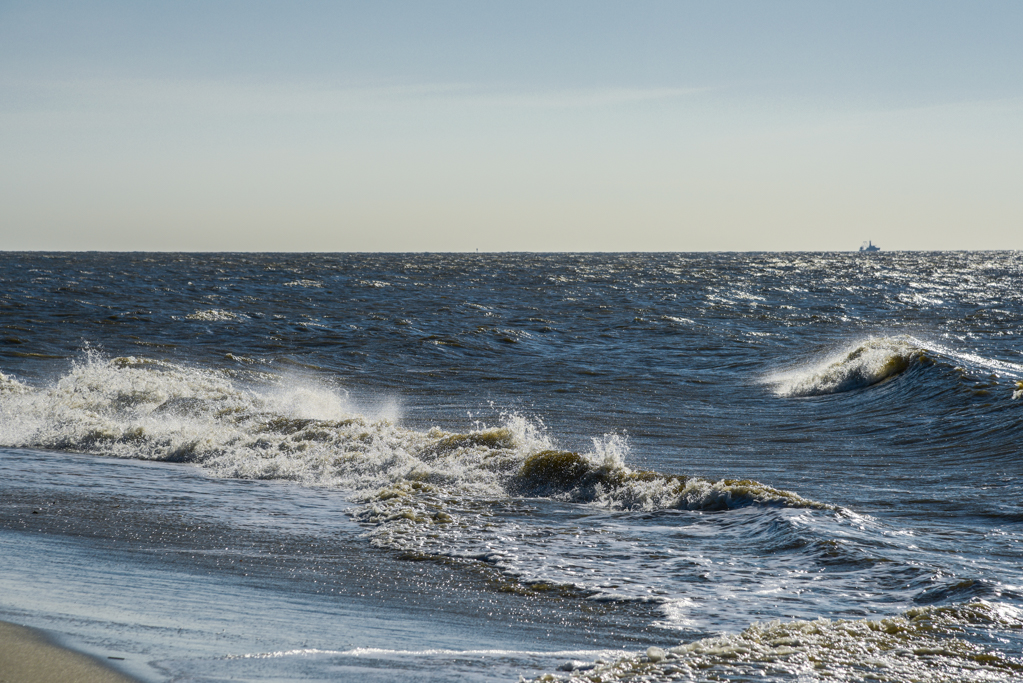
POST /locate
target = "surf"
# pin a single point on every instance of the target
(877, 360)
(858, 365)
(266, 426)
(942, 644)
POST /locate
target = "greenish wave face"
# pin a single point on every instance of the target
(860, 365)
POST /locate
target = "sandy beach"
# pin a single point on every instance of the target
(26, 656)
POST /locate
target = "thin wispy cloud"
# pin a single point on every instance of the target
(311, 98)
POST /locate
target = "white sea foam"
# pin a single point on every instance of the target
(273, 427)
(874, 360)
(278, 428)
(429, 492)
(9, 385)
(855, 366)
(978, 362)
(922, 644)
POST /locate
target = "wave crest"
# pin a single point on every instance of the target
(270, 428)
(608, 482)
(859, 365)
(9, 385)
(426, 493)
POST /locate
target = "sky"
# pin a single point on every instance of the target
(558, 125)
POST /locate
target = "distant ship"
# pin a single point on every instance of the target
(869, 246)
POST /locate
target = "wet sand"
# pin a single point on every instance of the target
(26, 656)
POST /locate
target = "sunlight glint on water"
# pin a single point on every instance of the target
(791, 464)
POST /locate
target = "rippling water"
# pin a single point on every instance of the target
(607, 467)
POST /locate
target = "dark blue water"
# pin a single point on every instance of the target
(475, 467)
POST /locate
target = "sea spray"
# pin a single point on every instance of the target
(431, 492)
(856, 366)
(265, 427)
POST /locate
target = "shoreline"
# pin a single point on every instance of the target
(29, 656)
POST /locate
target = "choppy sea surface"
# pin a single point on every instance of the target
(606, 467)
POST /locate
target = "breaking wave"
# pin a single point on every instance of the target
(877, 360)
(425, 493)
(937, 644)
(857, 366)
(9, 385)
(262, 426)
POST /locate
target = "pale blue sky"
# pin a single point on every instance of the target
(540, 126)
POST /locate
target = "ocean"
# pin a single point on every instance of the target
(485, 467)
